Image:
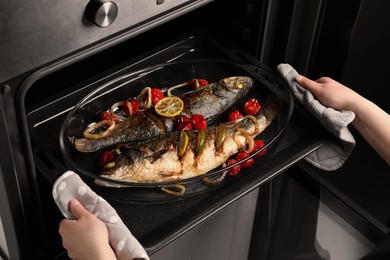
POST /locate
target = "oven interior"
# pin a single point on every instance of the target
(45, 117)
(50, 95)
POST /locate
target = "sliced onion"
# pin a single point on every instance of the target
(243, 130)
(178, 86)
(115, 106)
(229, 125)
(171, 189)
(248, 139)
(197, 85)
(239, 144)
(251, 144)
(215, 182)
(148, 103)
(88, 132)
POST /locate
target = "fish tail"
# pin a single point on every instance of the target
(272, 106)
(83, 145)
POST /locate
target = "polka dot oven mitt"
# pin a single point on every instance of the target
(70, 186)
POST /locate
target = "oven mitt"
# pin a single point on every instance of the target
(330, 156)
(70, 186)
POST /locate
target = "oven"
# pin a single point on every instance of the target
(55, 53)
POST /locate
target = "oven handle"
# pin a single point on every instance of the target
(272, 75)
(47, 164)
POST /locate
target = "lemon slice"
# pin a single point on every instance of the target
(183, 143)
(169, 106)
(220, 135)
(200, 141)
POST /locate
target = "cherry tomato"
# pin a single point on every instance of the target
(108, 116)
(183, 123)
(203, 82)
(199, 122)
(105, 158)
(251, 107)
(258, 145)
(184, 126)
(157, 94)
(130, 107)
(184, 119)
(199, 83)
(234, 115)
(248, 163)
(235, 170)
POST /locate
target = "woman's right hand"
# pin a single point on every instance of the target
(372, 122)
(330, 92)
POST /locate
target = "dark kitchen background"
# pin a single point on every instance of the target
(297, 212)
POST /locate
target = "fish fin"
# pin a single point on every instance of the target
(135, 156)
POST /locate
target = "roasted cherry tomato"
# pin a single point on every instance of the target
(252, 106)
(183, 123)
(234, 115)
(257, 146)
(199, 83)
(105, 158)
(108, 116)
(199, 122)
(130, 107)
(157, 94)
(235, 170)
(202, 82)
(248, 163)
(184, 126)
(184, 119)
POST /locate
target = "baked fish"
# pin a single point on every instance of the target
(210, 101)
(163, 158)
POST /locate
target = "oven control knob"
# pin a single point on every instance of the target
(101, 12)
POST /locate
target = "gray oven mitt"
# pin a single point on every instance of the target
(330, 156)
(70, 186)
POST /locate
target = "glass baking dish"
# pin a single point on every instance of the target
(163, 76)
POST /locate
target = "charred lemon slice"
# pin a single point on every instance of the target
(169, 106)
(183, 143)
(200, 141)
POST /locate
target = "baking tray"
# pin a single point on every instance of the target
(163, 76)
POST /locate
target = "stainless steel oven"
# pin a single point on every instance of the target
(52, 54)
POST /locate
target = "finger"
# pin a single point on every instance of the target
(63, 226)
(323, 80)
(77, 209)
(306, 83)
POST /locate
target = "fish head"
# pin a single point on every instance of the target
(237, 83)
(116, 169)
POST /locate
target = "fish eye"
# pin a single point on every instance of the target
(239, 85)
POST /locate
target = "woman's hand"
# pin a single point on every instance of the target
(87, 236)
(371, 121)
(330, 92)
